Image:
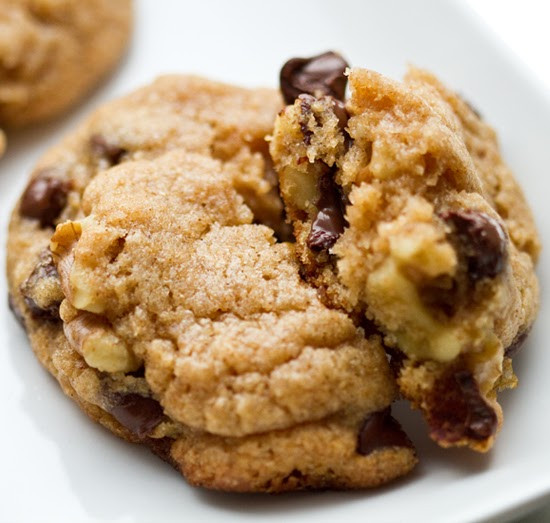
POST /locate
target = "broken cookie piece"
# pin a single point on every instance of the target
(405, 214)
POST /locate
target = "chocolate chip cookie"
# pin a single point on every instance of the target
(53, 51)
(146, 261)
(407, 218)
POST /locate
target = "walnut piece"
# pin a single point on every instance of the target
(92, 337)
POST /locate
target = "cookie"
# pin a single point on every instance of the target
(169, 309)
(407, 218)
(53, 51)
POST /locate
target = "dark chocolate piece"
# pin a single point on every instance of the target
(140, 415)
(457, 410)
(329, 223)
(44, 198)
(481, 419)
(482, 242)
(381, 430)
(102, 148)
(321, 74)
(44, 270)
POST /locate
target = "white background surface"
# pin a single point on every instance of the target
(523, 28)
(58, 466)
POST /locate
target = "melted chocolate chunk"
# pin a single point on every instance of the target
(517, 344)
(458, 411)
(102, 148)
(481, 240)
(44, 307)
(322, 74)
(381, 430)
(16, 312)
(40, 313)
(44, 198)
(140, 415)
(481, 419)
(329, 223)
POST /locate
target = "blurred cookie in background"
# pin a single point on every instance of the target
(54, 51)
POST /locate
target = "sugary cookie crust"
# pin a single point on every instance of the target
(173, 295)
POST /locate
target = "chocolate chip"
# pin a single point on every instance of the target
(140, 415)
(44, 198)
(381, 430)
(42, 290)
(481, 419)
(16, 312)
(517, 344)
(104, 149)
(329, 223)
(456, 409)
(38, 313)
(481, 240)
(321, 74)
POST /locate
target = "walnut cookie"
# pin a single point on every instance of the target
(407, 218)
(53, 51)
(167, 308)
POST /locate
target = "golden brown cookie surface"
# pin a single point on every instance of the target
(173, 316)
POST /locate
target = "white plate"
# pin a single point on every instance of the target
(56, 465)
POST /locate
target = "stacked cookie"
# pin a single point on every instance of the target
(151, 262)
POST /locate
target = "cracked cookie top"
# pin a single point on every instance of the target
(146, 260)
(233, 342)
